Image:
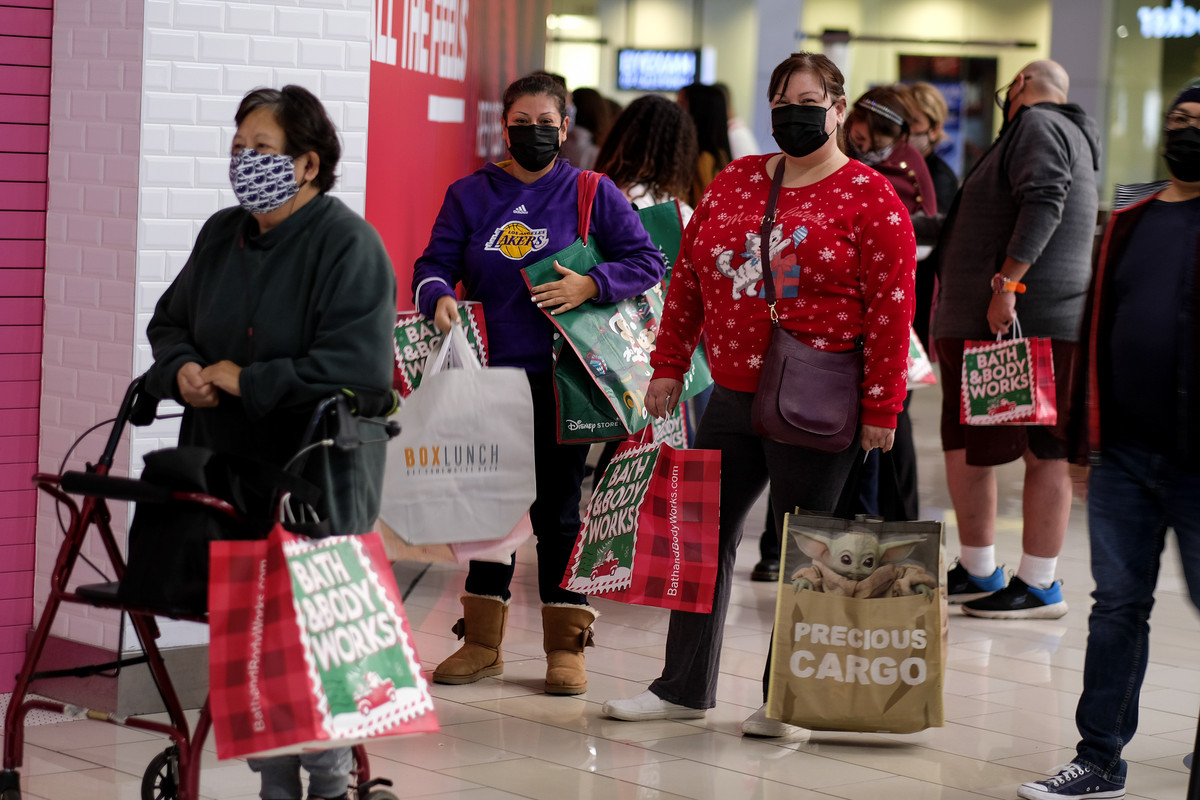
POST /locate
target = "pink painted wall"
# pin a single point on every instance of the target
(25, 28)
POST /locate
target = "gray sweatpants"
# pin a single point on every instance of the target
(328, 774)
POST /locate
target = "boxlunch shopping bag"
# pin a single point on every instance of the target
(416, 337)
(310, 646)
(649, 535)
(860, 625)
(461, 469)
(1008, 381)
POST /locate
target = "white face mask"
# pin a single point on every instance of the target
(262, 182)
(875, 157)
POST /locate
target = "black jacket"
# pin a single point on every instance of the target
(305, 309)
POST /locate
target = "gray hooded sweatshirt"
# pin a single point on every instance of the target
(1032, 197)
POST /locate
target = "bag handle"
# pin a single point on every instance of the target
(764, 240)
(588, 182)
(1014, 329)
(455, 351)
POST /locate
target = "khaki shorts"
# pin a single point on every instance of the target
(991, 445)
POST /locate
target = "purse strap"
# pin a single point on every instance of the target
(588, 182)
(764, 242)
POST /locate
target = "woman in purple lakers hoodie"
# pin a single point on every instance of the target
(493, 224)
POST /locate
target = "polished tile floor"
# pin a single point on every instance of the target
(1010, 693)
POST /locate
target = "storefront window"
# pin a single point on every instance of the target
(1155, 50)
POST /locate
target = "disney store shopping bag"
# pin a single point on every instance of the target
(1008, 381)
(416, 337)
(586, 414)
(602, 358)
(310, 646)
(461, 469)
(649, 535)
(859, 642)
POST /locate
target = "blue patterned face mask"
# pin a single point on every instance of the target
(262, 182)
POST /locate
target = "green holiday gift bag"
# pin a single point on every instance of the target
(602, 377)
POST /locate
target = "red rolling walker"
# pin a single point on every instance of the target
(174, 774)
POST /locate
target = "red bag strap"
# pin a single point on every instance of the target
(589, 180)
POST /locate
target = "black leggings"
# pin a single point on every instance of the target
(559, 470)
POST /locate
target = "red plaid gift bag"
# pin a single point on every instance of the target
(1008, 381)
(310, 648)
(649, 535)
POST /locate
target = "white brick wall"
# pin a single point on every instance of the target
(142, 111)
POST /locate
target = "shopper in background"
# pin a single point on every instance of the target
(492, 224)
(1024, 220)
(841, 224)
(590, 125)
(1141, 338)
(706, 105)
(877, 135)
(741, 138)
(927, 114)
(285, 299)
(650, 154)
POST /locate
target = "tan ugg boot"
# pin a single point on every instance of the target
(482, 626)
(566, 630)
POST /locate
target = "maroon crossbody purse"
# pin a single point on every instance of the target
(805, 396)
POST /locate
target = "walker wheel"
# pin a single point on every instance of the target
(378, 794)
(161, 781)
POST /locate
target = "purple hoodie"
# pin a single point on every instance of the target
(491, 226)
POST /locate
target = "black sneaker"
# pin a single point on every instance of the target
(766, 571)
(1019, 600)
(1072, 780)
(962, 586)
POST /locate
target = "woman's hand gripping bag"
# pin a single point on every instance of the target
(859, 642)
(461, 469)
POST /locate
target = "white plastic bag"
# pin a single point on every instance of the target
(461, 469)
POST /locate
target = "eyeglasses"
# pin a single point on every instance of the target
(1002, 93)
(1177, 120)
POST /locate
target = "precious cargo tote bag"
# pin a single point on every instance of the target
(859, 641)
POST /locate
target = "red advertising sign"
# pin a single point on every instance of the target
(438, 70)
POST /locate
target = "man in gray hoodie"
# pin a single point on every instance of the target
(1017, 247)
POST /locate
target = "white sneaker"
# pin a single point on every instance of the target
(647, 706)
(759, 724)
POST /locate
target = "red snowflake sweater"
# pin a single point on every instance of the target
(842, 257)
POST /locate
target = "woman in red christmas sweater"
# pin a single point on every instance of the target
(842, 254)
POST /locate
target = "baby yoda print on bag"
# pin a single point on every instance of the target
(859, 641)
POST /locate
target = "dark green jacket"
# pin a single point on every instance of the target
(305, 309)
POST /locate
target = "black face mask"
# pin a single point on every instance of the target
(533, 146)
(1183, 153)
(799, 130)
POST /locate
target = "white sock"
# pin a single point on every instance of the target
(1036, 571)
(979, 561)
